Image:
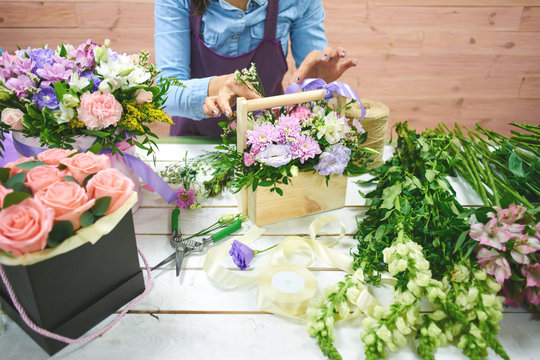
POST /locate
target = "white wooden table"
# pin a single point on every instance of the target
(190, 318)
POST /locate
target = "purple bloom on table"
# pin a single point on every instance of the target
(333, 160)
(262, 135)
(41, 57)
(274, 155)
(185, 197)
(289, 128)
(305, 148)
(241, 254)
(46, 97)
(20, 85)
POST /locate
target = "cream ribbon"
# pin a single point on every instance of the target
(294, 254)
(89, 234)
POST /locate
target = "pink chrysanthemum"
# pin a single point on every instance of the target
(305, 148)
(261, 135)
(185, 197)
(289, 128)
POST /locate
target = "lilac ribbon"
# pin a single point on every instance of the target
(333, 87)
(142, 169)
(9, 153)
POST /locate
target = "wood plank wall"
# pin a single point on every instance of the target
(430, 61)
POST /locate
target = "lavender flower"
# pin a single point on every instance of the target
(45, 97)
(54, 72)
(23, 66)
(261, 135)
(305, 148)
(274, 155)
(41, 57)
(20, 85)
(243, 254)
(333, 160)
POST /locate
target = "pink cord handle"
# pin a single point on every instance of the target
(67, 340)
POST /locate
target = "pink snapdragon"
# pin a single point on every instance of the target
(490, 234)
(495, 264)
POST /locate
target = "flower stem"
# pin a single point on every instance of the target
(255, 252)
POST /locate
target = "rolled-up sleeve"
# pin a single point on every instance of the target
(307, 32)
(173, 54)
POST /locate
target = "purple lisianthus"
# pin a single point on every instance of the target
(46, 97)
(41, 57)
(93, 79)
(241, 254)
(305, 148)
(333, 160)
(261, 135)
(20, 85)
(185, 197)
(274, 155)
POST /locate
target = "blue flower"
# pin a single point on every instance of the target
(93, 79)
(333, 160)
(274, 155)
(46, 97)
(241, 254)
(42, 57)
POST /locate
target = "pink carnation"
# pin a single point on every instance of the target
(301, 113)
(98, 111)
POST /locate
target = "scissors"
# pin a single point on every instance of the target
(188, 246)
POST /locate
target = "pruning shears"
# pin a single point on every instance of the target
(187, 246)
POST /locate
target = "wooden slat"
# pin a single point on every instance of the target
(37, 15)
(515, 65)
(78, 1)
(451, 18)
(531, 19)
(481, 43)
(530, 89)
(115, 15)
(498, 113)
(445, 3)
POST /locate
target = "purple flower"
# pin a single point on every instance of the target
(241, 254)
(288, 127)
(23, 66)
(41, 57)
(6, 63)
(185, 197)
(93, 79)
(84, 55)
(274, 155)
(305, 148)
(45, 97)
(20, 85)
(53, 73)
(261, 135)
(333, 160)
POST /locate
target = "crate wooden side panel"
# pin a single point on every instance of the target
(308, 194)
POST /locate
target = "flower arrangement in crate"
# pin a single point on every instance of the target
(58, 95)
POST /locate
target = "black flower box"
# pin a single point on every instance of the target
(71, 293)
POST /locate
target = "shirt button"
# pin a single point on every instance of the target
(234, 36)
(239, 16)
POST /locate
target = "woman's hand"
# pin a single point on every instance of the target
(222, 94)
(328, 65)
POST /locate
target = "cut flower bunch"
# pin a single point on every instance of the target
(44, 201)
(55, 95)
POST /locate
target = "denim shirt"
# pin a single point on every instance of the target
(228, 31)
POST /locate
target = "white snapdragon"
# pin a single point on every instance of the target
(402, 326)
(402, 249)
(475, 331)
(460, 273)
(384, 334)
(437, 315)
(388, 254)
(433, 330)
(480, 275)
(407, 298)
(358, 277)
(423, 278)
(482, 316)
(368, 323)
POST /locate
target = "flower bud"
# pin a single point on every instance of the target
(369, 339)
(475, 331)
(227, 218)
(433, 330)
(407, 298)
(107, 42)
(378, 311)
(384, 334)
(482, 316)
(480, 275)
(402, 327)
(101, 54)
(437, 315)
(368, 323)
(4, 94)
(70, 100)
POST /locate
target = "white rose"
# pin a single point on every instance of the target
(13, 118)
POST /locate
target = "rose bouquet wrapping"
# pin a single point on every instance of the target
(57, 95)
(52, 201)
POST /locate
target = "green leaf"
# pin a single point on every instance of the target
(279, 191)
(460, 240)
(69, 179)
(389, 194)
(101, 134)
(101, 206)
(60, 89)
(15, 179)
(266, 183)
(33, 113)
(515, 165)
(15, 198)
(95, 148)
(430, 175)
(4, 174)
(63, 51)
(87, 179)
(87, 218)
(60, 232)
(29, 165)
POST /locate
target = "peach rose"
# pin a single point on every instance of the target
(13, 165)
(98, 111)
(53, 156)
(13, 117)
(113, 183)
(42, 176)
(83, 164)
(3, 193)
(68, 200)
(143, 96)
(25, 227)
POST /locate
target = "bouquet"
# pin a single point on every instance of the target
(56, 95)
(47, 200)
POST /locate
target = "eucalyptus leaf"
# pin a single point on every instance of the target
(4, 174)
(69, 178)
(15, 198)
(14, 180)
(87, 218)
(101, 206)
(29, 165)
(59, 233)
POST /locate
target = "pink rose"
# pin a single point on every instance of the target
(248, 159)
(42, 176)
(110, 182)
(13, 117)
(53, 156)
(68, 200)
(98, 111)
(3, 193)
(13, 165)
(301, 113)
(83, 164)
(143, 96)
(24, 227)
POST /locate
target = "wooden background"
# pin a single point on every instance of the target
(430, 61)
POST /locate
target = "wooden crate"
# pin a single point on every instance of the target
(308, 193)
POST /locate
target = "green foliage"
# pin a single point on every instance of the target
(60, 232)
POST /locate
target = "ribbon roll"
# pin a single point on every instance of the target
(333, 87)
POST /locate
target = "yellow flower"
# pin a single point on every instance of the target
(75, 124)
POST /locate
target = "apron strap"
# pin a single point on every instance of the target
(271, 19)
(194, 20)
